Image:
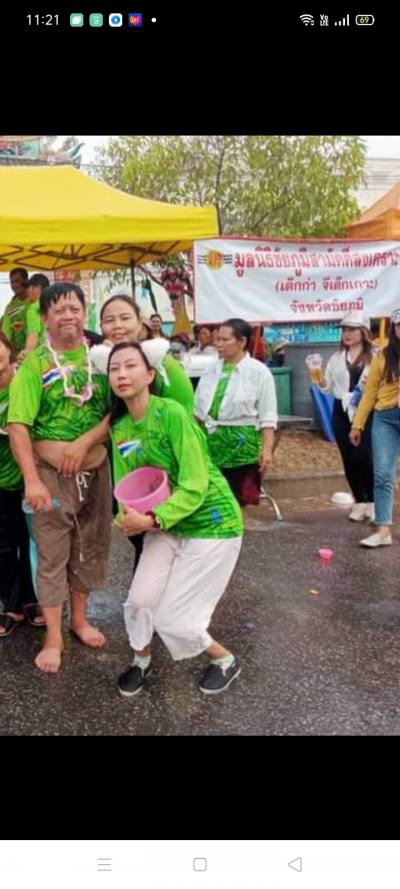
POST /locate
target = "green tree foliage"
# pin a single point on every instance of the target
(280, 186)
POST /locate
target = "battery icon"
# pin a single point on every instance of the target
(365, 19)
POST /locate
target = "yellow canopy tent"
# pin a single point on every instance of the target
(58, 217)
(381, 220)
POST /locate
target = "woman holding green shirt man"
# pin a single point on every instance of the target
(121, 323)
(16, 589)
(196, 534)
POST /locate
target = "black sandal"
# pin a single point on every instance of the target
(9, 624)
(33, 611)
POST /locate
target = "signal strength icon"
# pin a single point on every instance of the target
(307, 19)
(345, 21)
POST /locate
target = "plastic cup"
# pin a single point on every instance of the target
(325, 554)
(29, 510)
(143, 489)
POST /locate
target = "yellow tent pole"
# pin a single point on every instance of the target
(133, 282)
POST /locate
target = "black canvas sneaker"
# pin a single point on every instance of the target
(131, 682)
(217, 678)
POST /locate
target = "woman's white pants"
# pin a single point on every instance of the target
(176, 587)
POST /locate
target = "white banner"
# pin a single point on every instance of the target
(267, 280)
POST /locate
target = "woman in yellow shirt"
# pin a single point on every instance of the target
(382, 395)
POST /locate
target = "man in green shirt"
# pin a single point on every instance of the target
(58, 420)
(14, 319)
(35, 330)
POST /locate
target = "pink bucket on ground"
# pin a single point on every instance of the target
(325, 554)
(143, 489)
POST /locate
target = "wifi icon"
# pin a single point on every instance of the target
(307, 19)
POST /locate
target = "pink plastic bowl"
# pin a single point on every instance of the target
(325, 554)
(143, 488)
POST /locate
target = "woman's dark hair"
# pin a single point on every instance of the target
(53, 293)
(125, 299)
(365, 356)
(156, 315)
(7, 344)
(392, 356)
(118, 406)
(239, 328)
(39, 281)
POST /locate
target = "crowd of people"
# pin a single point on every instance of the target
(78, 412)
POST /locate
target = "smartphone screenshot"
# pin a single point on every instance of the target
(199, 397)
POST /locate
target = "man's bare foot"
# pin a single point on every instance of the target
(87, 634)
(49, 658)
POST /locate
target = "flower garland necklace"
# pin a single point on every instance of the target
(69, 391)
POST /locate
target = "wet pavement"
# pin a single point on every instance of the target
(326, 662)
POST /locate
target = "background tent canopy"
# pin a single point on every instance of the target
(57, 217)
(381, 220)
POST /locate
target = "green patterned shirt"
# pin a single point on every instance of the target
(37, 396)
(14, 323)
(201, 502)
(231, 446)
(10, 476)
(180, 387)
(34, 323)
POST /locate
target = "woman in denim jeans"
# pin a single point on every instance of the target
(382, 394)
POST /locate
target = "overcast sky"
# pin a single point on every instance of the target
(378, 146)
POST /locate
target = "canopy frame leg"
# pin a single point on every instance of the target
(133, 282)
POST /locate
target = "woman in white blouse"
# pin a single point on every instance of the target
(236, 404)
(345, 376)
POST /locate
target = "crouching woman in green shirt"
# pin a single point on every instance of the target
(190, 555)
(16, 588)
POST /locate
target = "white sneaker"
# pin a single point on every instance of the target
(377, 540)
(359, 512)
(370, 511)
